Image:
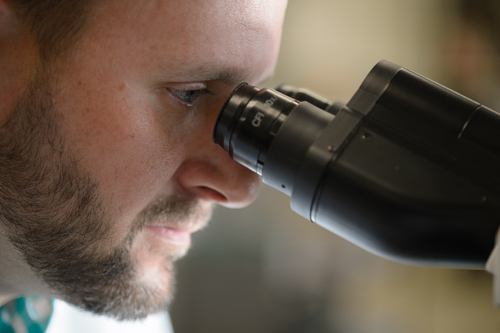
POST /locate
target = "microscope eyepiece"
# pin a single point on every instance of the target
(249, 121)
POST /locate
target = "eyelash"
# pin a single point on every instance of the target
(192, 104)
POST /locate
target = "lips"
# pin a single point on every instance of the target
(174, 236)
(173, 219)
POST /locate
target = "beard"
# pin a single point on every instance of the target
(53, 214)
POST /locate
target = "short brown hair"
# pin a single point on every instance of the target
(55, 24)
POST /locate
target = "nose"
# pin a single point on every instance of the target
(209, 173)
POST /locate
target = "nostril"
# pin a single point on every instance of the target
(208, 193)
(218, 179)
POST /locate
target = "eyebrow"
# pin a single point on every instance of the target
(234, 77)
(225, 75)
(208, 73)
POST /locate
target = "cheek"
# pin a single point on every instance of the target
(125, 149)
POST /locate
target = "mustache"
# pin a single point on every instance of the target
(181, 211)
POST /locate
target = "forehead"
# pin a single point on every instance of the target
(235, 34)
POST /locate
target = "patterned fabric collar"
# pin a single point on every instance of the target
(30, 314)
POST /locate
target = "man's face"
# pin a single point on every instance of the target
(114, 166)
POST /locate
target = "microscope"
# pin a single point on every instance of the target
(407, 169)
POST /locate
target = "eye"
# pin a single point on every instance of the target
(187, 97)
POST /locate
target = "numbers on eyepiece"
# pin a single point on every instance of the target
(271, 100)
(259, 116)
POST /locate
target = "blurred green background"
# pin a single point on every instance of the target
(266, 269)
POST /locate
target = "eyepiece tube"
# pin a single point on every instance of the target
(306, 95)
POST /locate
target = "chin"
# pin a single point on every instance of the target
(154, 264)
